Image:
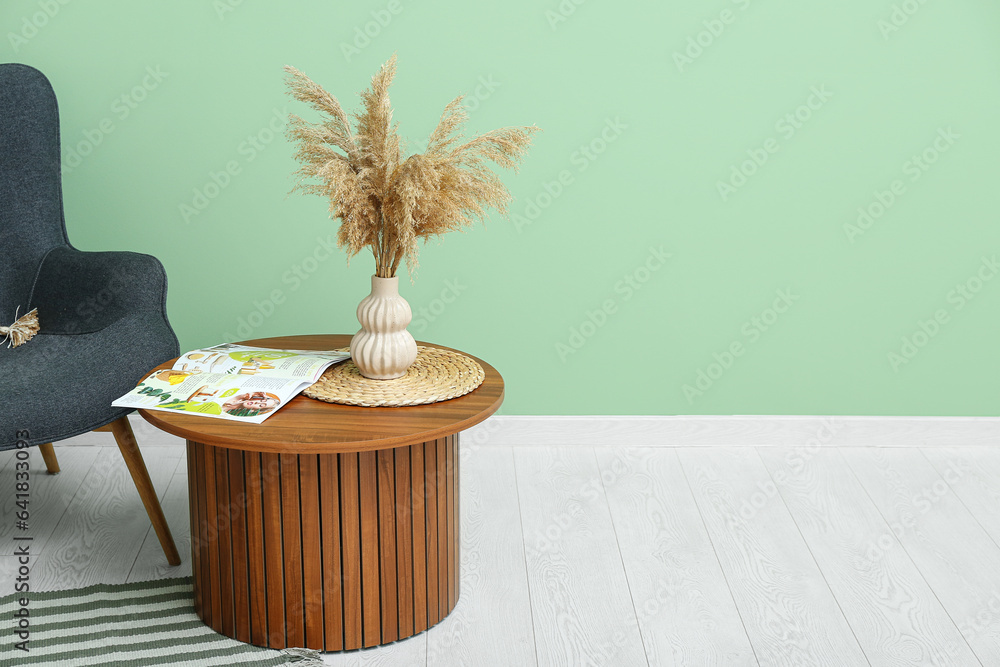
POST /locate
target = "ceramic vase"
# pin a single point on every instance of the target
(383, 349)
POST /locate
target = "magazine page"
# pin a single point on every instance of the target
(232, 382)
(244, 360)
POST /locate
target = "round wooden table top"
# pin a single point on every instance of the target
(308, 426)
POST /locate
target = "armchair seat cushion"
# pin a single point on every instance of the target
(58, 385)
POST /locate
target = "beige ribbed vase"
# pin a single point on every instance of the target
(383, 349)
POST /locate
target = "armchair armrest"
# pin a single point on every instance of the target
(79, 292)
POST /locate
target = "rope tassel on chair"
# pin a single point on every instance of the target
(22, 330)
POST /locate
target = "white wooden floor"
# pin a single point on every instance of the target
(624, 556)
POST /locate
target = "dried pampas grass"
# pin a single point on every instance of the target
(386, 203)
(22, 330)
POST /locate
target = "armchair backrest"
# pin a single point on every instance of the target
(31, 214)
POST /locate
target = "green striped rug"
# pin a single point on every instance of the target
(142, 624)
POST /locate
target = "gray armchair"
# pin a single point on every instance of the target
(102, 314)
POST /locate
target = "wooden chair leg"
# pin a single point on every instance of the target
(122, 431)
(49, 456)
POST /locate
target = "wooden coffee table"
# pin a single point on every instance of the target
(328, 526)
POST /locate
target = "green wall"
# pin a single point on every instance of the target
(650, 111)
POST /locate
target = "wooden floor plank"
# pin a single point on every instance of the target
(151, 563)
(946, 510)
(50, 495)
(492, 617)
(9, 568)
(893, 612)
(686, 613)
(789, 612)
(12, 574)
(411, 652)
(952, 551)
(102, 530)
(581, 607)
(973, 473)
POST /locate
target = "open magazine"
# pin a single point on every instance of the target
(237, 382)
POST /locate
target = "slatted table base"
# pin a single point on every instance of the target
(326, 551)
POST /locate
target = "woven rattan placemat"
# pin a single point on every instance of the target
(436, 375)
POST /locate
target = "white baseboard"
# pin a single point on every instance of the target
(735, 431)
(689, 431)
